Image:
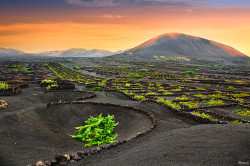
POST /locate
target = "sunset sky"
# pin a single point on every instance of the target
(45, 25)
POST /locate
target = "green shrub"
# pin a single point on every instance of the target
(97, 131)
(133, 75)
(204, 115)
(213, 102)
(47, 81)
(3, 85)
(200, 95)
(140, 97)
(190, 104)
(27, 72)
(52, 85)
(169, 103)
(243, 112)
(188, 72)
(144, 70)
(231, 88)
(97, 88)
(216, 96)
(183, 97)
(76, 68)
(127, 92)
(165, 92)
(126, 67)
(30, 69)
(237, 122)
(240, 95)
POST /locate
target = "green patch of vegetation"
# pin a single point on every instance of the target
(144, 70)
(167, 93)
(190, 104)
(97, 131)
(216, 96)
(133, 75)
(240, 100)
(52, 85)
(103, 83)
(48, 81)
(184, 83)
(30, 69)
(202, 89)
(126, 67)
(27, 71)
(44, 65)
(240, 95)
(175, 90)
(169, 103)
(207, 84)
(4, 85)
(76, 67)
(127, 92)
(237, 122)
(214, 102)
(231, 88)
(188, 72)
(200, 96)
(242, 112)
(97, 88)
(150, 93)
(140, 97)
(127, 85)
(184, 97)
(19, 67)
(204, 115)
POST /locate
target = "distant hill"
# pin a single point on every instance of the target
(74, 52)
(78, 52)
(9, 52)
(186, 47)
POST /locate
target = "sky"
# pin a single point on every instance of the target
(44, 25)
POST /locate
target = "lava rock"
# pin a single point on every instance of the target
(76, 157)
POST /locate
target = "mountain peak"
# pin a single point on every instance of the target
(190, 47)
(165, 35)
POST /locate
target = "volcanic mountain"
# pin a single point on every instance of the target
(181, 46)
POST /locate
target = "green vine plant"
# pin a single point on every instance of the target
(214, 102)
(52, 85)
(4, 85)
(242, 112)
(97, 131)
(204, 115)
(168, 103)
(48, 81)
(191, 104)
(140, 97)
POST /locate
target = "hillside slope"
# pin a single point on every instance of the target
(181, 46)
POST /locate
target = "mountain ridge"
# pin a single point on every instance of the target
(72, 52)
(185, 46)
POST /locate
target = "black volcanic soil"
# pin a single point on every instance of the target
(30, 131)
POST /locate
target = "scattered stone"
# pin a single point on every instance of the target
(3, 104)
(76, 157)
(67, 157)
(53, 162)
(63, 163)
(60, 158)
(40, 163)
